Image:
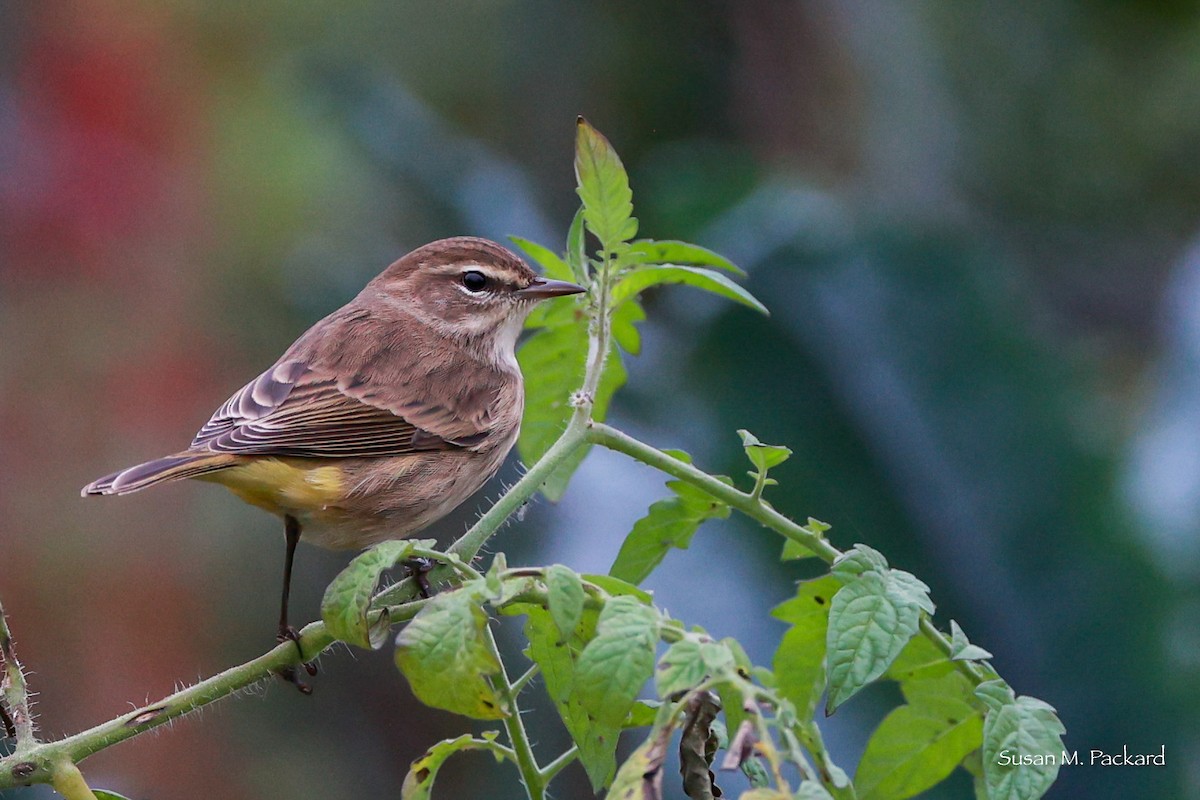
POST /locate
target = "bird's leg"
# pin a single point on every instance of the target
(291, 532)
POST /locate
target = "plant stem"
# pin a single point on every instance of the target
(556, 766)
(68, 781)
(531, 774)
(599, 433)
(755, 508)
(38, 762)
(520, 683)
(15, 693)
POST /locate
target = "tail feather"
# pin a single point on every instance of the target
(169, 468)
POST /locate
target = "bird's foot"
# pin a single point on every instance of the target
(418, 568)
(290, 673)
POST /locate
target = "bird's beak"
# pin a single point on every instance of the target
(541, 288)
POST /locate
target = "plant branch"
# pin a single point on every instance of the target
(68, 781)
(14, 702)
(755, 508)
(39, 762)
(556, 766)
(531, 774)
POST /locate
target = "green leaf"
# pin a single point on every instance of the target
(763, 456)
(623, 331)
(732, 700)
(105, 794)
(616, 586)
(553, 362)
(650, 251)
(920, 659)
(564, 591)
(348, 596)
(907, 587)
(799, 661)
(577, 248)
(669, 523)
(418, 783)
(961, 648)
(552, 266)
(869, 624)
(793, 550)
(642, 714)
(857, 560)
(1018, 726)
(603, 187)
(638, 280)
(557, 657)
(680, 668)
(615, 665)
(917, 745)
(445, 657)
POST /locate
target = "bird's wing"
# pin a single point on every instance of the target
(294, 410)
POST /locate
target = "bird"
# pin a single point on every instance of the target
(382, 417)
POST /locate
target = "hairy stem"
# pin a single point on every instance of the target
(755, 508)
(514, 726)
(15, 695)
(68, 781)
(38, 763)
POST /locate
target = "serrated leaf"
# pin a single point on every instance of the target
(995, 694)
(1025, 727)
(443, 654)
(868, 627)
(617, 663)
(564, 592)
(763, 456)
(961, 648)
(906, 586)
(680, 668)
(553, 363)
(557, 658)
(552, 265)
(917, 745)
(672, 252)
(418, 783)
(799, 661)
(857, 560)
(348, 596)
(637, 281)
(623, 331)
(670, 523)
(603, 186)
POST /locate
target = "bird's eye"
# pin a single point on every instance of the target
(474, 280)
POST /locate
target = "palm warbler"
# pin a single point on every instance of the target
(382, 417)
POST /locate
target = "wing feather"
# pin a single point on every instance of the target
(294, 410)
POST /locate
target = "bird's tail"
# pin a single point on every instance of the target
(168, 468)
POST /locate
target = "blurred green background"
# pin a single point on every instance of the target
(975, 224)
